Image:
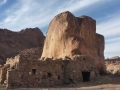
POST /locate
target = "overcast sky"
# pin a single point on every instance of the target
(20, 14)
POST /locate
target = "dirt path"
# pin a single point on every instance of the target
(98, 87)
(101, 83)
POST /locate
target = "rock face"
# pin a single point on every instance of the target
(113, 66)
(12, 43)
(69, 35)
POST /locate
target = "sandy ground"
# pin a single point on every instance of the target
(101, 83)
(97, 87)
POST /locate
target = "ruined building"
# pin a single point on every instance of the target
(26, 71)
(73, 52)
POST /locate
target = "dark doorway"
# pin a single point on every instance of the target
(58, 77)
(86, 76)
(49, 74)
(33, 71)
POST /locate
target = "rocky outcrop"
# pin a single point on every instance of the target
(69, 35)
(12, 43)
(115, 57)
(113, 66)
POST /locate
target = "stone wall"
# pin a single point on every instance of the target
(13, 61)
(48, 72)
(3, 73)
(36, 73)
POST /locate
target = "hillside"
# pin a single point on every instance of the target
(12, 43)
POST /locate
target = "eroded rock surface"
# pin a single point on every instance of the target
(113, 66)
(69, 35)
(12, 43)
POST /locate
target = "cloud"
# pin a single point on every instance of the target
(110, 28)
(36, 13)
(2, 2)
(114, 39)
(74, 6)
(112, 49)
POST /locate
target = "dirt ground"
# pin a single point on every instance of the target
(97, 87)
(106, 82)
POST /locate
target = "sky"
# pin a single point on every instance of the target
(16, 15)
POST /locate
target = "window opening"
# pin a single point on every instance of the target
(33, 71)
(49, 74)
(58, 77)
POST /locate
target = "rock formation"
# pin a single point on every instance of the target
(115, 57)
(12, 43)
(113, 66)
(68, 35)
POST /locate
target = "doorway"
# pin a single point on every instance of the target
(85, 76)
(33, 71)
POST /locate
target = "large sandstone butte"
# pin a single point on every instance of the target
(12, 43)
(68, 35)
